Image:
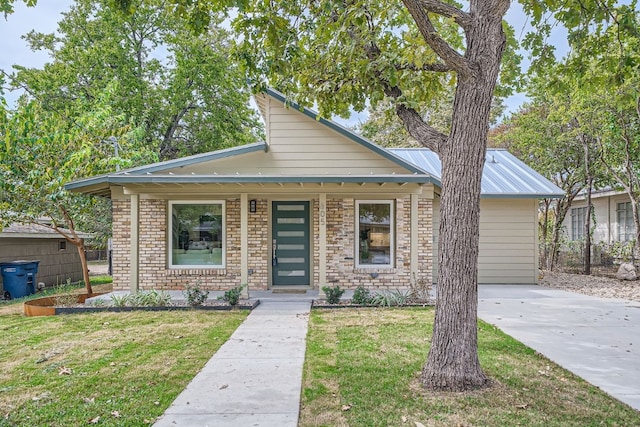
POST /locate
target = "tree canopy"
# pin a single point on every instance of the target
(179, 87)
(40, 153)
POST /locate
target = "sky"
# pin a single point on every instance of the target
(45, 16)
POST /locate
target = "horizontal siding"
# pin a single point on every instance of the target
(313, 148)
(606, 217)
(508, 241)
(299, 145)
(56, 266)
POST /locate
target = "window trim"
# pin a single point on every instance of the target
(628, 215)
(577, 216)
(169, 239)
(392, 234)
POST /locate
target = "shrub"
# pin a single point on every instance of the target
(420, 290)
(96, 303)
(120, 300)
(361, 296)
(232, 296)
(393, 298)
(151, 298)
(195, 295)
(333, 294)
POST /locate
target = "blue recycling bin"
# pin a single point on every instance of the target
(19, 278)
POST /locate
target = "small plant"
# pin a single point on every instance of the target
(120, 300)
(361, 296)
(395, 298)
(66, 299)
(232, 296)
(420, 290)
(151, 298)
(99, 302)
(333, 294)
(194, 295)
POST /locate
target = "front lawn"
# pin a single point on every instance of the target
(109, 369)
(362, 368)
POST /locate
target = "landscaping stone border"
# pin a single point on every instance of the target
(73, 310)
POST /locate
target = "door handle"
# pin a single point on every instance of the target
(274, 254)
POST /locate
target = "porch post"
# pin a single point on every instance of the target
(244, 243)
(134, 278)
(414, 237)
(322, 240)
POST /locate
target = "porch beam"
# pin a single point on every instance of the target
(414, 237)
(322, 240)
(134, 276)
(244, 243)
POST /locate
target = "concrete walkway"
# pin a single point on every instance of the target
(595, 338)
(255, 378)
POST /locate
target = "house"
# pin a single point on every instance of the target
(612, 219)
(59, 260)
(313, 205)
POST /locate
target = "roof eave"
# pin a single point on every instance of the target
(522, 195)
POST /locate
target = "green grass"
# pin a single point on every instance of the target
(125, 368)
(98, 283)
(363, 366)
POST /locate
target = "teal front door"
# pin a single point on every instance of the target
(290, 245)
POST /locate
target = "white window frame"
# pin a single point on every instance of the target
(392, 234)
(223, 233)
(626, 210)
(577, 223)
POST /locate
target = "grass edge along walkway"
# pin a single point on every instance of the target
(108, 369)
(363, 365)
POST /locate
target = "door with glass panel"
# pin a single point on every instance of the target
(290, 245)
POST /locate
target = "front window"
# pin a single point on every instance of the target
(626, 227)
(197, 234)
(577, 223)
(374, 229)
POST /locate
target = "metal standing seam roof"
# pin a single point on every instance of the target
(504, 175)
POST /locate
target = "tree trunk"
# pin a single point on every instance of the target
(544, 233)
(452, 363)
(79, 244)
(587, 219)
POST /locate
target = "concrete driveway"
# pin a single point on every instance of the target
(597, 339)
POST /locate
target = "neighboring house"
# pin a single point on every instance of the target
(612, 219)
(314, 205)
(59, 259)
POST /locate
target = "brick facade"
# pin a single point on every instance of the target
(341, 241)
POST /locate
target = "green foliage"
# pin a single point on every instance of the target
(194, 295)
(98, 302)
(361, 296)
(393, 298)
(121, 300)
(333, 293)
(232, 296)
(178, 88)
(151, 298)
(619, 251)
(64, 298)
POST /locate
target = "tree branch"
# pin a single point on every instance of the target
(436, 67)
(418, 10)
(412, 120)
(461, 18)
